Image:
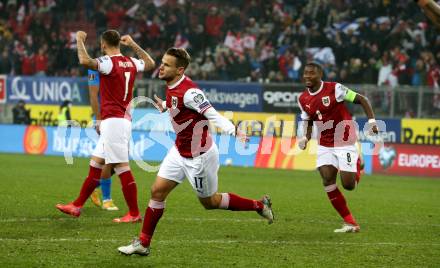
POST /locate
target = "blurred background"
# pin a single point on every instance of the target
(248, 56)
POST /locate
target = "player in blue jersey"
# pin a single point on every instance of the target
(106, 179)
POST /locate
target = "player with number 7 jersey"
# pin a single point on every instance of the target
(117, 74)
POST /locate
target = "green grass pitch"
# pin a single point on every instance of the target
(399, 218)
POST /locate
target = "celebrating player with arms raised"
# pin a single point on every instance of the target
(194, 155)
(323, 103)
(117, 75)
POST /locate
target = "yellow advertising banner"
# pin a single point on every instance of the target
(283, 153)
(264, 124)
(47, 115)
(421, 131)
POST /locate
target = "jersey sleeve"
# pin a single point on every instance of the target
(195, 99)
(140, 64)
(220, 121)
(105, 65)
(93, 78)
(341, 92)
(304, 114)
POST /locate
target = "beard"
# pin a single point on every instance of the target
(166, 78)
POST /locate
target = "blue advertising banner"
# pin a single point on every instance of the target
(12, 138)
(234, 96)
(391, 134)
(144, 146)
(47, 90)
(150, 119)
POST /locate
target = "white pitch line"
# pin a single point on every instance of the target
(91, 218)
(197, 241)
(94, 219)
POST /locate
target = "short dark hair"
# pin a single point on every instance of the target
(111, 37)
(316, 65)
(181, 55)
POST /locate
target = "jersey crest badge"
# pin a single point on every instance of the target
(199, 99)
(174, 102)
(326, 101)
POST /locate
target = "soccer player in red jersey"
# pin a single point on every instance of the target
(117, 74)
(323, 103)
(194, 155)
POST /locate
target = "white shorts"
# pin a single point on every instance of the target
(114, 140)
(201, 171)
(343, 158)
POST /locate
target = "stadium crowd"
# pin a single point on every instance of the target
(251, 40)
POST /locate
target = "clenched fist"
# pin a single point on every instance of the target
(126, 40)
(81, 36)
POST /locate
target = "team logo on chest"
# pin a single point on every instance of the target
(326, 101)
(174, 101)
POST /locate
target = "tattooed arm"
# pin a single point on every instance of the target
(142, 54)
(431, 9)
(83, 56)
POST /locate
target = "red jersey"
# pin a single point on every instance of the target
(326, 107)
(116, 80)
(187, 104)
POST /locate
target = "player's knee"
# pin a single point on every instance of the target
(349, 186)
(156, 193)
(328, 181)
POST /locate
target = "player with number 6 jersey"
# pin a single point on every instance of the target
(322, 103)
(117, 74)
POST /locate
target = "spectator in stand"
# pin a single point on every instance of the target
(363, 30)
(419, 76)
(197, 38)
(283, 62)
(20, 115)
(194, 68)
(115, 16)
(208, 68)
(41, 62)
(28, 63)
(213, 26)
(5, 62)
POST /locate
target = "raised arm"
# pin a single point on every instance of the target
(365, 103)
(431, 9)
(84, 58)
(126, 40)
(345, 94)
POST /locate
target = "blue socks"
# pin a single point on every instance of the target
(106, 188)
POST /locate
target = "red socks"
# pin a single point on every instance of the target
(155, 210)
(152, 216)
(234, 202)
(129, 189)
(339, 203)
(89, 184)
